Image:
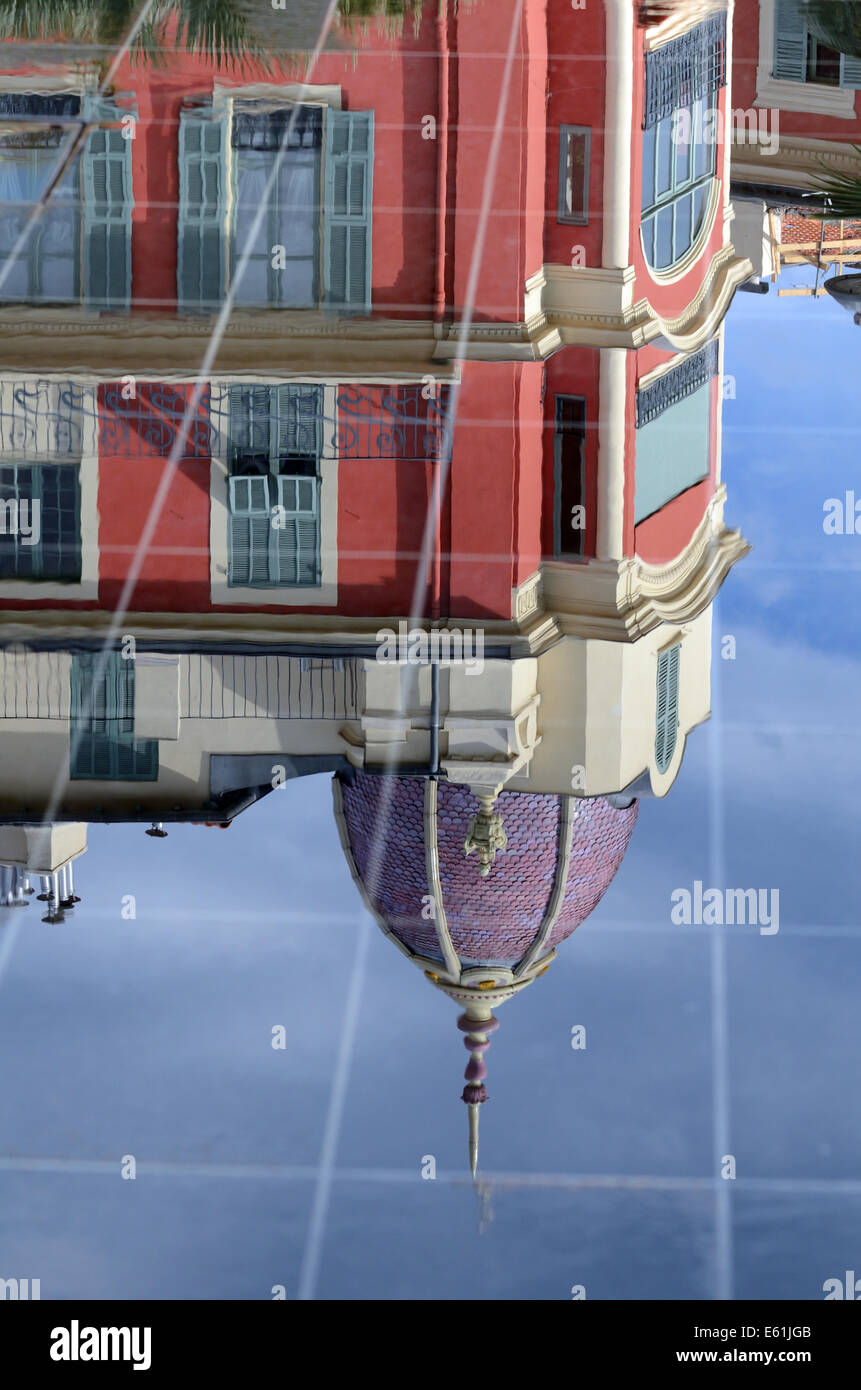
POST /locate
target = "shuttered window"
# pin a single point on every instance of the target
(317, 167)
(90, 207)
(297, 530)
(40, 522)
(104, 746)
(202, 211)
(45, 260)
(800, 57)
(276, 162)
(274, 485)
(667, 716)
(107, 220)
(348, 207)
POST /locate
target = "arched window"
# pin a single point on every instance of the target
(667, 717)
(680, 127)
(678, 167)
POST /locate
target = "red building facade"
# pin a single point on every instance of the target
(484, 249)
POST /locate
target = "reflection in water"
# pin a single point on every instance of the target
(329, 443)
(542, 515)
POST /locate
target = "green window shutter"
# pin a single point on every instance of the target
(297, 534)
(249, 423)
(348, 206)
(299, 422)
(250, 529)
(667, 717)
(202, 211)
(790, 41)
(101, 722)
(107, 220)
(850, 71)
(240, 419)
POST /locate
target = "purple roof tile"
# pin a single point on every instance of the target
(492, 920)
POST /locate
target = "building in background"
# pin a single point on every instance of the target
(796, 124)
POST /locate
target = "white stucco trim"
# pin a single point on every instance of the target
(618, 131)
(810, 97)
(307, 93)
(726, 175)
(611, 455)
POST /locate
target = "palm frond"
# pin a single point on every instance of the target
(836, 23)
(841, 194)
(214, 29)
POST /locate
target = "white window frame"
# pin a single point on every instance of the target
(813, 98)
(222, 593)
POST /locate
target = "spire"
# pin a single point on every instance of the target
(474, 1113)
(476, 1042)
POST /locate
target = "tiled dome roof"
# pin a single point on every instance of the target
(492, 920)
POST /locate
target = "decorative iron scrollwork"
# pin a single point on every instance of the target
(685, 69)
(42, 420)
(149, 424)
(397, 422)
(674, 385)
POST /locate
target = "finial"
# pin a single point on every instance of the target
(486, 834)
(476, 1042)
(473, 1138)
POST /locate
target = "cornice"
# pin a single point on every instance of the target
(798, 160)
(567, 307)
(355, 636)
(595, 308)
(621, 600)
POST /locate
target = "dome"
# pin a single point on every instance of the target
(560, 856)
(481, 929)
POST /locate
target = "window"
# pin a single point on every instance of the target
(678, 168)
(683, 78)
(80, 248)
(102, 721)
(685, 69)
(291, 211)
(314, 243)
(674, 432)
(667, 715)
(570, 475)
(40, 521)
(574, 143)
(799, 56)
(274, 485)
